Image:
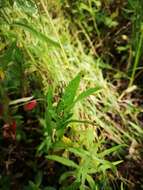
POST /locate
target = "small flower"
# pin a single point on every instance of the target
(13, 126)
(30, 105)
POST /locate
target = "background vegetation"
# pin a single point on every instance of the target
(71, 109)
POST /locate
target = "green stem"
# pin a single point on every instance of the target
(137, 57)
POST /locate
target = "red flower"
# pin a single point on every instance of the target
(13, 126)
(30, 105)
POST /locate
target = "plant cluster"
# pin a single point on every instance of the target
(68, 119)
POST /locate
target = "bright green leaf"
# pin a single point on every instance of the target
(63, 161)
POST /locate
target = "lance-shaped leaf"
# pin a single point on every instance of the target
(87, 93)
(38, 34)
(69, 94)
(62, 160)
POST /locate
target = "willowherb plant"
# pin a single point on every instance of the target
(91, 161)
(88, 167)
(59, 116)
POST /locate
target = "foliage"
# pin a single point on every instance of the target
(59, 116)
(60, 129)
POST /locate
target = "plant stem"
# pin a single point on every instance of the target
(137, 57)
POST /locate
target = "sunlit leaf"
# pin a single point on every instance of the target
(70, 93)
(87, 93)
(38, 34)
(62, 160)
(111, 150)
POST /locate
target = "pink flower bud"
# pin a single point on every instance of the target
(30, 105)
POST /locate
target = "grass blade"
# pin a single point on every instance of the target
(70, 93)
(87, 93)
(110, 150)
(62, 160)
(38, 34)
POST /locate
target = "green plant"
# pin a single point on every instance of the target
(135, 7)
(40, 49)
(59, 116)
(37, 184)
(88, 169)
(4, 182)
(88, 17)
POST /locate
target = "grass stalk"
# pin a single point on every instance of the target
(137, 58)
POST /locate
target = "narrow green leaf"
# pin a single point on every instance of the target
(91, 181)
(65, 175)
(79, 152)
(110, 150)
(106, 165)
(136, 128)
(38, 34)
(109, 165)
(50, 113)
(87, 93)
(70, 93)
(62, 160)
(38, 178)
(49, 97)
(117, 162)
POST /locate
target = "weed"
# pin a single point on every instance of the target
(84, 124)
